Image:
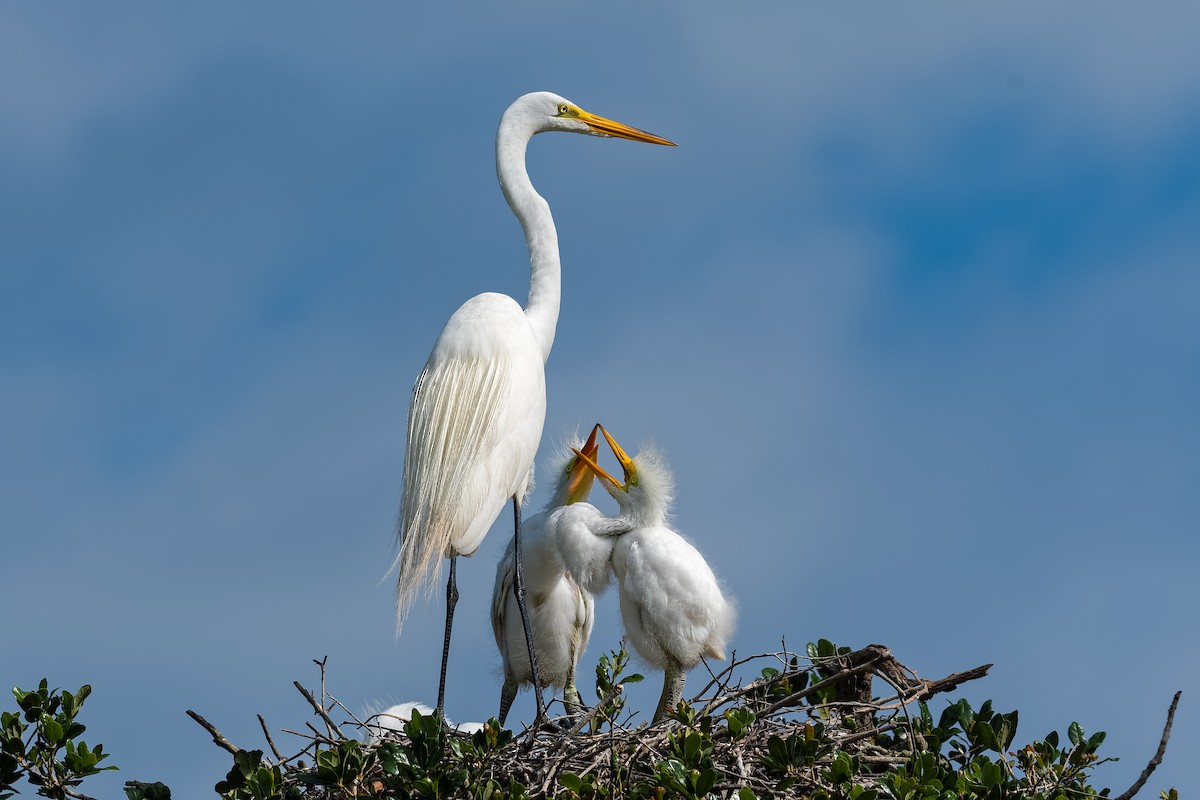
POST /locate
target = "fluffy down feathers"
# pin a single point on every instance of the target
(671, 602)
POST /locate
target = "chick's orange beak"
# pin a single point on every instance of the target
(580, 477)
(593, 467)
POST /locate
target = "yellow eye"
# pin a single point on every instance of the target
(563, 108)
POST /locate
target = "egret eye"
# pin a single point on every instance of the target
(562, 109)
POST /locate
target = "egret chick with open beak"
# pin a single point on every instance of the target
(565, 551)
(672, 605)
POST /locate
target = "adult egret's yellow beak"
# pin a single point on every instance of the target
(607, 127)
(579, 473)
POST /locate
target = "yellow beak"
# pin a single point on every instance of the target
(580, 476)
(608, 127)
(627, 465)
(626, 462)
(597, 469)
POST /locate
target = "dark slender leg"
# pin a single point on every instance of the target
(451, 601)
(508, 693)
(519, 588)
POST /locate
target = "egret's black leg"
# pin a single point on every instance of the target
(451, 600)
(519, 588)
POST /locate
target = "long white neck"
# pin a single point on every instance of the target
(545, 283)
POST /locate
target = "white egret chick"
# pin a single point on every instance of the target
(394, 718)
(566, 551)
(672, 606)
(478, 406)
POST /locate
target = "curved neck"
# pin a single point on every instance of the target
(533, 211)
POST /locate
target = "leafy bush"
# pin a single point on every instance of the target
(802, 727)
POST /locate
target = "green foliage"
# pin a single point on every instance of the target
(609, 677)
(782, 735)
(136, 790)
(40, 742)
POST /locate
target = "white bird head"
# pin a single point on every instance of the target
(573, 477)
(539, 112)
(648, 490)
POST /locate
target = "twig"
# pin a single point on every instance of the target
(312, 701)
(951, 682)
(590, 716)
(218, 739)
(1158, 755)
(734, 663)
(267, 734)
(795, 697)
(69, 792)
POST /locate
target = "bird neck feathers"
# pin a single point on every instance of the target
(541, 237)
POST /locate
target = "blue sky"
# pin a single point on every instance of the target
(911, 310)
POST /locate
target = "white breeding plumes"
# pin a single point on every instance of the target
(479, 404)
(566, 551)
(672, 606)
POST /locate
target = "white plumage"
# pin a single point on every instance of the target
(566, 551)
(393, 719)
(478, 406)
(672, 606)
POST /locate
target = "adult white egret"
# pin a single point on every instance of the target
(672, 606)
(566, 551)
(478, 406)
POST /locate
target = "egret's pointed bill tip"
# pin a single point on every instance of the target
(608, 127)
(617, 450)
(591, 447)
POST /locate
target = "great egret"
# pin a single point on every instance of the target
(478, 406)
(566, 551)
(671, 603)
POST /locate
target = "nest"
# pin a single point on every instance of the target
(736, 733)
(826, 700)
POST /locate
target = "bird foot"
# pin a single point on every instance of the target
(545, 725)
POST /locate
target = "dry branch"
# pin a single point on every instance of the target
(1158, 755)
(217, 737)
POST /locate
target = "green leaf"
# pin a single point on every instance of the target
(52, 731)
(1075, 733)
(636, 677)
(777, 749)
(746, 793)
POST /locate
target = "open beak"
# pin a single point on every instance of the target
(579, 480)
(626, 462)
(627, 465)
(607, 127)
(593, 467)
